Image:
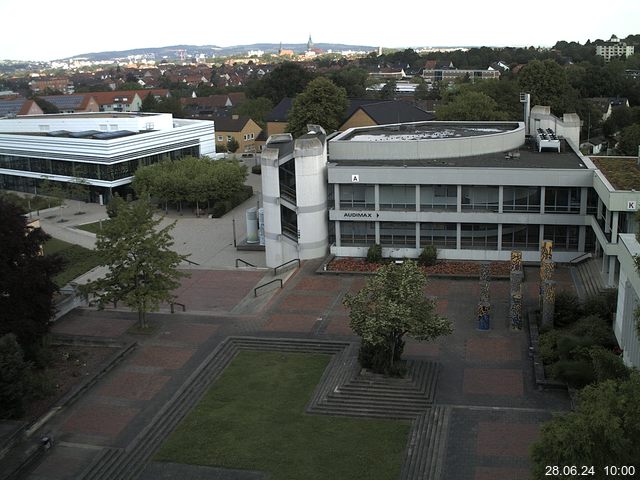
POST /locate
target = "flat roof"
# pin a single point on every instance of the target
(84, 115)
(427, 131)
(623, 173)
(527, 156)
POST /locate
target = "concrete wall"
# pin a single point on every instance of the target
(358, 119)
(624, 326)
(78, 122)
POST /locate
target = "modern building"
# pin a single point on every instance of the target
(450, 74)
(614, 48)
(475, 190)
(102, 150)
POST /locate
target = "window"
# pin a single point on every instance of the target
(357, 197)
(479, 236)
(438, 197)
(480, 198)
(220, 138)
(397, 197)
(438, 234)
(520, 237)
(398, 234)
(564, 237)
(521, 199)
(357, 233)
(562, 200)
(229, 137)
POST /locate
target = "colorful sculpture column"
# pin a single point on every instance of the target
(484, 305)
(515, 297)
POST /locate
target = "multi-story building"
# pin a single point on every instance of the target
(103, 150)
(450, 74)
(614, 48)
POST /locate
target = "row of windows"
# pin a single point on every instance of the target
(474, 198)
(477, 236)
(94, 171)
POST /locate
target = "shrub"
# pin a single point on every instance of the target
(257, 169)
(596, 329)
(603, 305)
(428, 256)
(567, 309)
(374, 254)
(376, 359)
(218, 209)
(607, 365)
(576, 373)
(547, 345)
(13, 377)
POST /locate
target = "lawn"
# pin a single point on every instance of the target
(92, 227)
(253, 418)
(78, 260)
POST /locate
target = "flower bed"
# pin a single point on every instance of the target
(445, 267)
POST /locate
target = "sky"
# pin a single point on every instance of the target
(73, 27)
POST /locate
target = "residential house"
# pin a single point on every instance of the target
(608, 104)
(61, 84)
(73, 103)
(19, 106)
(213, 105)
(244, 130)
(125, 100)
(384, 113)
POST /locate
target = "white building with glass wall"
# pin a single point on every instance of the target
(103, 150)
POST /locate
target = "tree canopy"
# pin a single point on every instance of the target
(286, 80)
(391, 305)
(142, 268)
(547, 83)
(603, 430)
(26, 285)
(629, 140)
(470, 105)
(321, 103)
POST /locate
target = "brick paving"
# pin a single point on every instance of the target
(486, 376)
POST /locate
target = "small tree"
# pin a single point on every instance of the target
(232, 145)
(603, 430)
(390, 306)
(142, 269)
(14, 372)
(321, 103)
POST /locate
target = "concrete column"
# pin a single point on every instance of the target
(459, 200)
(458, 236)
(584, 193)
(614, 227)
(603, 269)
(543, 191)
(376, 195)
(500, 201)
(417, 198)
(418, 235)
(336, 196)
(607, 221)
(500, 234)
(377, 233)
(582, 236)
(338, 235)
(541, 239)
(612, 272)
(599, 208)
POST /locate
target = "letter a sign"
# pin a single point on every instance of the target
(355, 178)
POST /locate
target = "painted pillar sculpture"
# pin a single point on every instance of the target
(484, 305)
(546, 266)
(515, 293)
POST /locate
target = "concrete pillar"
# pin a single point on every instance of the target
(336, 226)
(542, 200)
(418, 235)
(611, 279)
(459, 199)
(600, 205)
(500, 236)
(376, 196)
(614, 227)
(417, 198)
(607, 221)
(336, 196)
(500, 202)
(584, 194)
(377, 226)
(458, 236)
(582, 237)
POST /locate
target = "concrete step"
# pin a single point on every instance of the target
(337, 410)
(351, 390)
(426, 446)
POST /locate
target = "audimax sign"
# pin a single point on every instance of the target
(360, 215)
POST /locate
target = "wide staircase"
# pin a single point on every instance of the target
(590, 281)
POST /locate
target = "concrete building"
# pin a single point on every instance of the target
(102, 149)
(614, 48)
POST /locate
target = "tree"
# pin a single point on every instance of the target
(14, 372)
(286, 80)
(232, 145)
(47, 107)
(142, 269)
(149, 103)
(26, 285)
(603, 430)
(391, 305)
(388, 91)
(256, 109)
(629, 140)
(353, 80)
(470, 105)
(547, 83)
(321, 103)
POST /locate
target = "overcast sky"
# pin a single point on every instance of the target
(45, 31)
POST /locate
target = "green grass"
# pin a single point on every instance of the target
(92, 227)
(78, 260)
(253, 418)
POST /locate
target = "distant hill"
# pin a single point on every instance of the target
(173, 51)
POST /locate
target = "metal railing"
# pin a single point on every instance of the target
(189, 261)
(580, 258)
(275, 270)
(171, 304)
(255, 290)
(245, 262)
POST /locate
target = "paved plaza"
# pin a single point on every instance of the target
(486, 377)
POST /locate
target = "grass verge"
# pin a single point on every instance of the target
(253, 418)
(78, 260)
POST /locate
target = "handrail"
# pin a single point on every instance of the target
(255, 290)
(189, 261)
(171, 304)
(579, 258)
(275, 270)
(245, 262)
